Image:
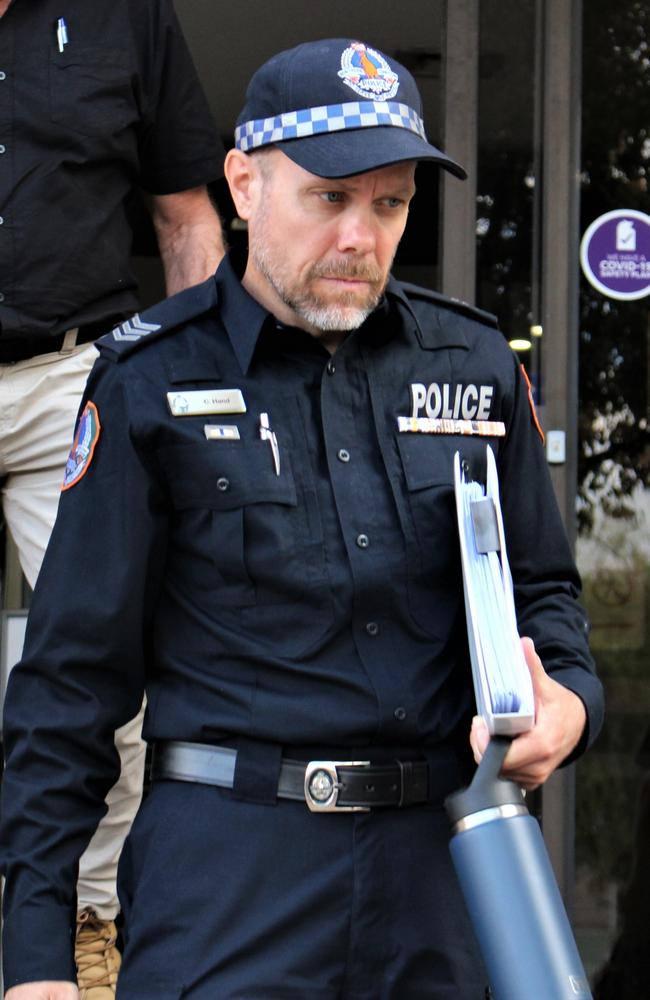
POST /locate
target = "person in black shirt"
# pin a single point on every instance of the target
(281, 574)
(96, 100)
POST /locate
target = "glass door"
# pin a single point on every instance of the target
(613, 786)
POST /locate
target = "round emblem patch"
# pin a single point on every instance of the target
(367, 72)
(83, 446)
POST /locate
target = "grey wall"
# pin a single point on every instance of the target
(230, 40)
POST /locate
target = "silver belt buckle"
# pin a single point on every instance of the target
(322, 785)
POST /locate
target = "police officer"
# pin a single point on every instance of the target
(247, 532)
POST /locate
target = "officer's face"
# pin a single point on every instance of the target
(320, 251)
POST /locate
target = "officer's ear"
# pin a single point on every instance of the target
(245, 179)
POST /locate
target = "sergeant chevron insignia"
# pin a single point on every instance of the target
(134, 329)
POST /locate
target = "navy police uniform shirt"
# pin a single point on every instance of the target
(303, 590)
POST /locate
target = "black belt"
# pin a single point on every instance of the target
(325, 785)
(23, 348)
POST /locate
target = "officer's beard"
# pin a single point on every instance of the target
(346, 312)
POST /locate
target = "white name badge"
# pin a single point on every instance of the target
(202, 401)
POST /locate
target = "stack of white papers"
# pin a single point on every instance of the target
(502, 682)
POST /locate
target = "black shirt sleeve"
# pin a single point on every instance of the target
(546, 581)
(81, 677)
(180, 147)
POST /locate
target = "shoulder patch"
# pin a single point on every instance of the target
(456, 305)
(158, 321)
(83, 446)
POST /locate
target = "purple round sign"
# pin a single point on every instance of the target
(615, 254)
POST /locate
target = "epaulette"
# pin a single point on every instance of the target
(159, 320)
(457, 305)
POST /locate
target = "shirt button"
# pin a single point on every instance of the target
(331, 367)
(3, 149)
(363, 541)
(223, 484)
(343, 455)
(372, 628)
(400, 713)
(2, 296)
(1, 221)
(3, 75)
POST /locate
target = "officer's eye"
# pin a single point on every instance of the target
(332, 197)
(393, 202)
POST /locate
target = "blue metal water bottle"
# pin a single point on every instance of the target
(510, 889)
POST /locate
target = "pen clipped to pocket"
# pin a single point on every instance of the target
(61, 33)
(266, 434)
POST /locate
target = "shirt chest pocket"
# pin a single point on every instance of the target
(251, 538)
(91, 90)
(430, 523)
(227, 475)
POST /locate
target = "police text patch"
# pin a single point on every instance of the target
(451, 402)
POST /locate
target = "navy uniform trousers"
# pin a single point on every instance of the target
(234, 900)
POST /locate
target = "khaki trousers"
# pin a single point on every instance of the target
(39, 399)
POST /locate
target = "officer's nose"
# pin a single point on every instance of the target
(356, 233)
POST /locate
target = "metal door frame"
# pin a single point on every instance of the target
(559, 24)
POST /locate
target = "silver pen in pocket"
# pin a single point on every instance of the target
(267, 434)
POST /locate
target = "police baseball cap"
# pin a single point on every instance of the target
(337, 108)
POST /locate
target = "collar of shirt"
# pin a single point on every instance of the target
(244, 318)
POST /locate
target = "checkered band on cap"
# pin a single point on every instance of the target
(328, 118)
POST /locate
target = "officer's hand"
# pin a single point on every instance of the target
(43, 991)
(560, 718)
